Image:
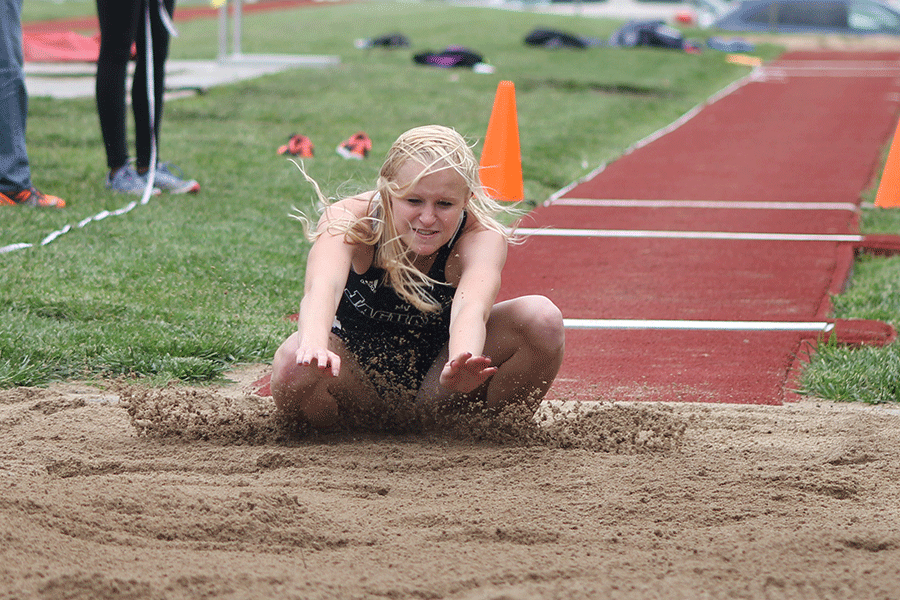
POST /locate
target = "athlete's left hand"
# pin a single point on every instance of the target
(466, 372)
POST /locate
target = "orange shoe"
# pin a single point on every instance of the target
(357, 147)
(31, 197)
(298, 145)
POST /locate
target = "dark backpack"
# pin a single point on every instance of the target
(655, 34)
(549, 38)
(391, 40)
(454, 56)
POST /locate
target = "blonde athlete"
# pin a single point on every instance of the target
(400, 291)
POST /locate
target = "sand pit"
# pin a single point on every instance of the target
(112, 492)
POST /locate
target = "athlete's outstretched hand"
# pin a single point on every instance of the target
(466, 372)
(328, 362)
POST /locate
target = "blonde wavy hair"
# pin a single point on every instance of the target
(437, 148)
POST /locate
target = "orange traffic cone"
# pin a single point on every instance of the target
(501, 159)
(889, 190)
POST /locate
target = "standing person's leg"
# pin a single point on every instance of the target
(15, 170)
(167, 177)
(139, 98)
(525, 341)
(15, 174)
(118, 21)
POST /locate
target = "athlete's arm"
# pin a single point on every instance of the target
(327, 267)
(482, 254)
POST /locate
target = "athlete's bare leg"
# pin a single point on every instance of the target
(525, 341)
(305, 391)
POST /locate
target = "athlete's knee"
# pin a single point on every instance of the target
(543, 324)
(285, 361)
(302, 394)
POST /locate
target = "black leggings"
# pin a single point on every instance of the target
(121, 24)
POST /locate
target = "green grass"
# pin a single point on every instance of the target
(864, 374)
(868, 374)
(183, 288)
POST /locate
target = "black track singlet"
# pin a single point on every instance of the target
(394, 342)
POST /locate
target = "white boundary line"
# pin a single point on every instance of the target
(779, 73)
(689, 325)
(862, 65)
(713, 204)
(831, 68)
(689, 235)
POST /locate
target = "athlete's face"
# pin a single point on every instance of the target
(427, 216)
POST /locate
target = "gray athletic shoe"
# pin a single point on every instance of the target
(168, 181)
(128, 181)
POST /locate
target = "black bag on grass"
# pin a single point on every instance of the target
(454, 56)
(655, 34)
(549, 38)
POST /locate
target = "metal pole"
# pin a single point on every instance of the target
(223, 31)
(237, 55)
(236, 35)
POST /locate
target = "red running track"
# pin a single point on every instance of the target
(673, 264)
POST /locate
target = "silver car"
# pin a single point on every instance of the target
(858, 17)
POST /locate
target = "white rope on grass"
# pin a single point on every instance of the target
(14, 247)
(151, 179)
(67, 228)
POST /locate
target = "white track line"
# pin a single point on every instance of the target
(830, 68)
(689, 235)
(710, 204)
(838, 64)
(664, 324)
(776, 72)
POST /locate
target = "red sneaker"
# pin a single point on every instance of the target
(31, 197)
(298, 145)
(357, 147)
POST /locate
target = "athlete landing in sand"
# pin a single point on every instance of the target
(400, 296)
